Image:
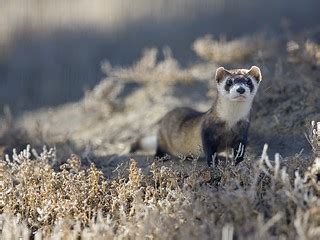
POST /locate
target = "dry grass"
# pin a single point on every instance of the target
(258, 199)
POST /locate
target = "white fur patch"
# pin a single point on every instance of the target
(229, 108)
(232, 111)
(149, 143)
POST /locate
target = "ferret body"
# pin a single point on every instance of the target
(185, 131)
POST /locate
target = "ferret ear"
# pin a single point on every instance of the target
(255, 72)
(221, 72)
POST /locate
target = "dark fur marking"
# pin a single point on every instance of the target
(210, 141)
(189, 114)
(249, 84)
(135, 146)
(240, 138)
(216, 137)
(228, 84)
(244, 80)
(160, 153)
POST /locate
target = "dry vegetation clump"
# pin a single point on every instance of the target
(313, 51)
(304, 52)
(226, 52)
(257, 199)
(104, 97)
(41, 196)
(155, 77)
(315, 137)
(149, 71)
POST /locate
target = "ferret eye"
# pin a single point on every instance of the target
(249, 82)
(229, 82)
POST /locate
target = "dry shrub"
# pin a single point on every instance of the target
(41, 196)
(156, 76)
(314, 137)
(226, 52)
(313, 174)
(304, 52)
(149, 71)
(256, 199)
(104, 97)
(313, 51)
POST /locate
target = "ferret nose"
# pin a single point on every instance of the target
(241, 90)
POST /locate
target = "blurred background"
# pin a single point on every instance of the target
(51, 51)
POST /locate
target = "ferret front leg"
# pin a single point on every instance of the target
(239, 149)
(211, 155)
(240, 142)
(210, 148)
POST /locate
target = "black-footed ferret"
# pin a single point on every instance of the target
(184, 131)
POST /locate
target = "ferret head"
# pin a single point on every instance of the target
(239, 85)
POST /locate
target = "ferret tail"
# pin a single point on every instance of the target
(148, 143)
